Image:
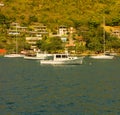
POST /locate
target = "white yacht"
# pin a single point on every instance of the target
(102, 56)
(39, 56)
(63, 59)
(13, 55)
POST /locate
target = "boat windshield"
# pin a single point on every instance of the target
(61, 56)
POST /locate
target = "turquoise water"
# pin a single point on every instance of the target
(28, 88)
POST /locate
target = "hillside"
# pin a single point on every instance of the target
(62, 12)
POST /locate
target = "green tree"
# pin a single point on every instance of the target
(113, 43)
(95, 45)
(50, 44)
(33, 18)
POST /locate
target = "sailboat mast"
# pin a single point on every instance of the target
(104, 33)
(16, 40)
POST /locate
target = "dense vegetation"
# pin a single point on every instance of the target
(59, 12)
(85, 15)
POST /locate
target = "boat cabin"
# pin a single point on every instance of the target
(62, 57)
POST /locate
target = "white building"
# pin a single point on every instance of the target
(116, 33)
(62, 31)
(1, 4)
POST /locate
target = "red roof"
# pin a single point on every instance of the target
(2, 51)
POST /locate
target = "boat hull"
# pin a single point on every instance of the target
(33, 58)
(13, 55)
(102, 57)
(63, 62)
(38, 57)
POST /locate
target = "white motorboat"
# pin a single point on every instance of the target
(63, 59)
(39, 56)
(32, 57)
(13, 55)
(102, 56)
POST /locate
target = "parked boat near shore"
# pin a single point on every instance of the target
(102, 56)
(13, 55)
(63, 59)
(39, 56)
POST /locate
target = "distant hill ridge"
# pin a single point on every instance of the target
(62, 12)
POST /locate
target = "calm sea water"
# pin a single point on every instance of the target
(28, 88)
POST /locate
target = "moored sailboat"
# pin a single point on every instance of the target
(16, 54)
(103, 56)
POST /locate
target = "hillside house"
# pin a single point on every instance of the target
(41, 29)
(62, 31)
(36, 34)
(116, 32)
(16, 29)
(32, 38)
(1, 4)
